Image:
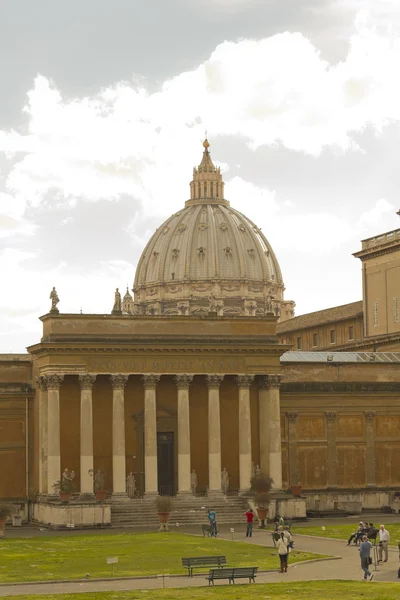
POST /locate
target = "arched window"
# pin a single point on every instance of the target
(198, 190)
(211, 190)
(217, 191)
(205, 190)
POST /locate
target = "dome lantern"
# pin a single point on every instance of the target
(207, 184)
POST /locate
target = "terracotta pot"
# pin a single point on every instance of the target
(2, 526)
(262, 513)
(163, 517)
(65, 496)
(296, 490)
(100, 495)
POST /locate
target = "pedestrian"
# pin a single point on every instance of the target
(384, 538)
(365, 557)
(212, 517)
(288, 536)
(283, 552)
(249, 519)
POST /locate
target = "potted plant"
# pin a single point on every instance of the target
(296, 489)
(164, 506)
(65, 486)
(5, 511)
(261, 484)
(261, 501)
(98, 484)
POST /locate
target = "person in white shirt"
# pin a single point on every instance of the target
(283, 552)
(384, 538)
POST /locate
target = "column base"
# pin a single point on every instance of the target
(184, 494)
(119, 497)
(215, 494)
(84, 497)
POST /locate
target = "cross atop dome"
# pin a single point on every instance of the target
(207, 185)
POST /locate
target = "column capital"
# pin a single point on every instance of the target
(86, 380)
(41, 382)
(244, 381)
(214, 381)
(183, 381)
(150, 381)
(53, 381)
(369, 416)
(273, 381)
(330, 417)
(292, 417)
(118, 381)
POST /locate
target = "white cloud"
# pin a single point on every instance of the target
(126, 140)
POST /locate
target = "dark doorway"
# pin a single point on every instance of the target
(165, 458)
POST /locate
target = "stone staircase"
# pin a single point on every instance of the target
(186, 510)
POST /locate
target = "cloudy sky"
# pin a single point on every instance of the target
(103, 107)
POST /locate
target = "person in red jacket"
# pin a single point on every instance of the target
(249, 518)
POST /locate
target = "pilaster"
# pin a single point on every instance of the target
(214, 434)
(245, 459)
(150, 433)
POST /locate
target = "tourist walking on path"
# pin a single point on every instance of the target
(212, 517)
(249, 519)
(283, 552)
(365, 554)
(384, 538)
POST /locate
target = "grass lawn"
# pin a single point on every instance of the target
(342, 532)
(316, 590)
(64, 557)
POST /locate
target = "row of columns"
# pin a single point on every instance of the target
(269, 430)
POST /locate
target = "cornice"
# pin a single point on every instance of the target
(377, 251)
(340, 387)
(41, 349)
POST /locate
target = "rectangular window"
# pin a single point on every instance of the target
(315, 339)
(298, 343)
(395, 309)
(351, 332)
(333, 336)
(375, 316)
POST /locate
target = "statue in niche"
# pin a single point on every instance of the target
(131, 485)
(98, 480)
(54, 300)
(117, 302)
(225, 481)
(253, 469)
(268, 304)
(258, 470)
(193, 482)
(212, 304)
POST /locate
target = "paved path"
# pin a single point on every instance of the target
(347, 566)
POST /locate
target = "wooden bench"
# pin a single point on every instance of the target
(249, 573)
(198, 562)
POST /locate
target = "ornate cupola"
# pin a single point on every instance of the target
(207, 184)
(209, 257)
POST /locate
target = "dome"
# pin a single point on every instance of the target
(209, 257)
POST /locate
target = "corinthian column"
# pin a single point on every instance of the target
(214, 434)
(42, 385)
(183, 382)
(118, 434)
(263, 420)
(275, 445)
(150, 434)
(53, 431)
(86, 382)
(244, 383)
